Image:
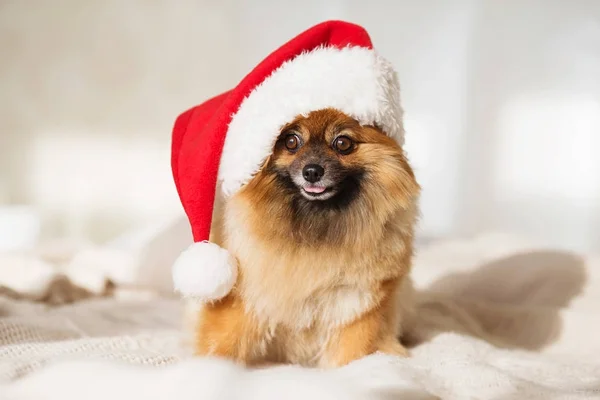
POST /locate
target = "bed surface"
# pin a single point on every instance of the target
(499, 318)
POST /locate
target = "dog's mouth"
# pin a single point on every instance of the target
(314, 189)
(317, 191)
(329, 190)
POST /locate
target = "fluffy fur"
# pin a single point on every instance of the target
(321, 282)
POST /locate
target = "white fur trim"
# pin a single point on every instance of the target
(355, 80)
(204, 271)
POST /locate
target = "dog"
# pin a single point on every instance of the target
(323, 237)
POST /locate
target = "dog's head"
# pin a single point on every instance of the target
(327, 171)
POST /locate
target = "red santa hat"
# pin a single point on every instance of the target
(220, 144)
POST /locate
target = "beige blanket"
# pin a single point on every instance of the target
(499, 318)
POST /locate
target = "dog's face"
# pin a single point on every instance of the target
(328, 174)
(317, 157)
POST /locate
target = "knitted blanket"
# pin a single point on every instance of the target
(499, 318)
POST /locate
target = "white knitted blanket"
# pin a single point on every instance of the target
(499, 318)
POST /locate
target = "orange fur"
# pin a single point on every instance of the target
(317, 291)
(229, 331)
(368, 333)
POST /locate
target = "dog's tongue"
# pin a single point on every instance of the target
(314, 189)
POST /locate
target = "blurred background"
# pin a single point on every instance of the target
(502, 102)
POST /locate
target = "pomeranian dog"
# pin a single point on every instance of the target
(323, 235)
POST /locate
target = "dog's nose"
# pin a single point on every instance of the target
(313, 172)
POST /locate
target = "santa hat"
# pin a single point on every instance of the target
(221, 144)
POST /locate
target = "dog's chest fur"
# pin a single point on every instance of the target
(302, 298)
(301, 324)
(300, 295)
(303, 293)
(304, 332)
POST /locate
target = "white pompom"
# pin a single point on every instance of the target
(204, 271)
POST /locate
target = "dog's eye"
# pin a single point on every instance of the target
(292, 142)
(343, 144)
